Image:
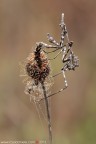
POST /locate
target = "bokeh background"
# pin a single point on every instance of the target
(22, 24)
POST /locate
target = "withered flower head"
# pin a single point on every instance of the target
(37, 66)
(37, 69)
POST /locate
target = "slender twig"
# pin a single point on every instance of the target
(48, 113)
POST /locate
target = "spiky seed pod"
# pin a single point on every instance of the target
(37, 66)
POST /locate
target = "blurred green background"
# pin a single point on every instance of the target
(22, 24)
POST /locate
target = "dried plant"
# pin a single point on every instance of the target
(37, 68)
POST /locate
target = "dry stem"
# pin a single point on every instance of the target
(48, 113)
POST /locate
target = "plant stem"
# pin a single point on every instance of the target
(48, 113)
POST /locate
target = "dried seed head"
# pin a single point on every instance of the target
(36, 70)
(37, 66)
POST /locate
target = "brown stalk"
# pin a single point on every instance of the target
(48, 113)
